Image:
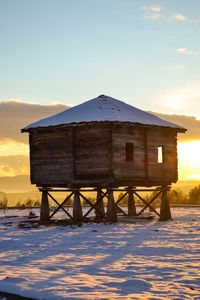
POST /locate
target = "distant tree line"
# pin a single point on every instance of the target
(176, 196)
(4, 202)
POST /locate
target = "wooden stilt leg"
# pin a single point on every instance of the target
(165, 213)
(131, 203)
(44, 209)
(111, 210)
(77, 209)
(100, 206)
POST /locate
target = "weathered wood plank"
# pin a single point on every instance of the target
(95, 154)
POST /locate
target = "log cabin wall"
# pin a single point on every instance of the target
(51, 157)
(97, 154)
(144, 168)
(125, 169)
(91, 154)
(70, 156)
(167, 139)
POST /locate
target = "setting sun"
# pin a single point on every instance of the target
(174, 103)
(189, 160)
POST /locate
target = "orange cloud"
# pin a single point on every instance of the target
(186, 51)
(156, 8)
(10, 147)
(14, 165)
(179, 17)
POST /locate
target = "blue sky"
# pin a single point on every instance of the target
(144, 52)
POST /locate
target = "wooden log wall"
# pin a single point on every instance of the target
(128, 170)
(144, 169)
(74, 155)
(168, 169)
(95, 155)
(91, 154)
(51, 158)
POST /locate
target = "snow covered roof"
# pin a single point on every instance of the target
(101, 109)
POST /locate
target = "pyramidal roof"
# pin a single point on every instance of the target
(101, 109)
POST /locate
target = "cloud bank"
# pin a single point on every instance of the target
(14, 165)
(15, 115)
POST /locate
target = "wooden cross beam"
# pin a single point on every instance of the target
(116, 204)
(104, 194)
(121, 210)
(120, 199)
(60, 205)
(147, 204)
(93, 206)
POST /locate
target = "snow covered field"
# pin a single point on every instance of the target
(146, 260)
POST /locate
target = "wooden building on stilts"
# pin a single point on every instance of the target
(103, 145)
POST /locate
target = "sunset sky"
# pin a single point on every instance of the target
(146, 53)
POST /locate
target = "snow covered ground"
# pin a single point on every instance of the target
(146, 260)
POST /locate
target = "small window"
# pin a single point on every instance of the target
(129, 151)
(160, 154)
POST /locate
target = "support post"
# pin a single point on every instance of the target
(77, 209)
(44, 209)
(99, 212)
(131, 203)
(111, 210)
(165, 213)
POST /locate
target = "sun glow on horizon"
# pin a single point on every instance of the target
(194, 176)
(189, 160)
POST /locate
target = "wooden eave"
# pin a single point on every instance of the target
(175, 129)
